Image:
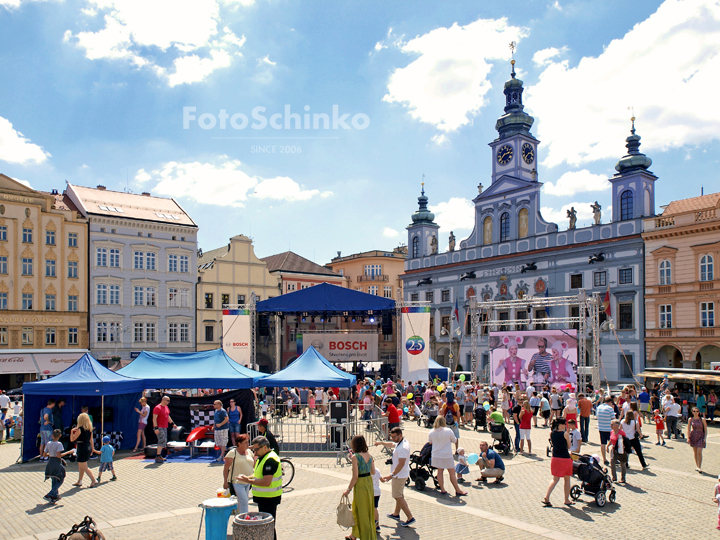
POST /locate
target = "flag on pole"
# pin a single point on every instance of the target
(606, 303)
(547, 308)
(457, 311)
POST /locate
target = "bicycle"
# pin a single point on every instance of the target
(288, 471)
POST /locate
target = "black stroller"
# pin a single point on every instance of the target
(481, 418)
(420, 469)
(428, 416)
(501, 435)
(595, 481)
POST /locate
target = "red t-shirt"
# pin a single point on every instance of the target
(163, 413)
(393, 414)
(659, 424)
(336, 391)
(525, 421)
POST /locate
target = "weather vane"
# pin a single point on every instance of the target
(512, 62)
(632, 118)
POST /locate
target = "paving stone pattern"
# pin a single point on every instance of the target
(161, 501)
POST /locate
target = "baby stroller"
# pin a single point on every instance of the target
(501, 435)
(420, 469)
(480, 418)
(595, 481)
(428, 417)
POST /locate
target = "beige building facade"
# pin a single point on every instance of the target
(228, 276)
(682, 289)
(43, 271)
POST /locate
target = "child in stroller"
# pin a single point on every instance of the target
(594, 478)
(501, 435)
(420, 469)
(429, 413)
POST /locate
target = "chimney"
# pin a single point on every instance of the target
(145, 194)
(101, 188)
(54, 192)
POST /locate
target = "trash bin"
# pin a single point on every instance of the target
(261, 528)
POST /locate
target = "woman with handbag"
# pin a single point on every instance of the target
(361, 484)
(697, 436)
(631, 429)
(239, 461)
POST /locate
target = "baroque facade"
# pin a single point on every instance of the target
(513, 253)
(682, 252)
(43, 270)
(143, 268)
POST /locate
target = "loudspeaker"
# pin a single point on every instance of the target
(338, 411)
(387, 324)
(386, 371)
(263, 324)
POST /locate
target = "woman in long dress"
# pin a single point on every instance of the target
(361, 484)
(561, 369)
(513, 366)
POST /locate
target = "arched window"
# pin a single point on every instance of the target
(626, 205)
(416, 247)
(665, 273)
(523, 223)
(706, 268)
(504, 227)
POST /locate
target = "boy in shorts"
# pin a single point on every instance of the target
(106, 458)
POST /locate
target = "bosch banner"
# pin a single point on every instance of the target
(415, 343)
(236, 335)
(342, 347)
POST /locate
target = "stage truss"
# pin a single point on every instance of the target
(588, 323)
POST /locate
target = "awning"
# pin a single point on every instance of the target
(681, 376)
(17, 363)
(51, 363)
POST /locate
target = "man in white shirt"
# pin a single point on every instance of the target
(4, 401)
(399, 474)
(672, 413)
(575, 437)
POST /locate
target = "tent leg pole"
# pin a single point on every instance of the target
(102, 416)
(22, 433)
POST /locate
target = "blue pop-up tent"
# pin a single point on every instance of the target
(202, 369)
(86, 382)
(309, 369)
(436, 370)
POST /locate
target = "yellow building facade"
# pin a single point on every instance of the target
(229, 275)
(43, 270)
(682, 287)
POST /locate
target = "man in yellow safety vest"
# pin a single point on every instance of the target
(266, 480)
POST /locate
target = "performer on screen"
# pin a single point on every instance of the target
(561, 368)
(513, 365)
(540, 364)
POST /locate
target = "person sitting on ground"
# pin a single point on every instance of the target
(490, 463)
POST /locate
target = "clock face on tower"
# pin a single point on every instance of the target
(504, 154)
(528, 153)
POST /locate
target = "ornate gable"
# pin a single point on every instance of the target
(27, 253)
(28, 224)
(3, 287)
(73, 291)
(50, 289)
(51, 226)
(28, 289)
(51, 254)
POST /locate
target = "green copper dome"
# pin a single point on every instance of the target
(423, 215)
(634, 160)
(515, 120)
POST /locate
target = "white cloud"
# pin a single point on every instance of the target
(664, 66)
(224, 183)
(390, 233)
(188, 46)
(545, 56)
(584, 213)
(16, 148)
(557, 5)
(455, 214)
(446, 83)
(440, 139)
(266, 62)
(23, 182)
(573, 182)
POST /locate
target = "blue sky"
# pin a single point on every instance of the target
(94, 91)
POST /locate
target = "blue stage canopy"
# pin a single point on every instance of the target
(436, 370)
(309, 369)
(325, 298)
(86, 377)
(202, 369)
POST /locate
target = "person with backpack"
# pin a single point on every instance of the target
(451, 412)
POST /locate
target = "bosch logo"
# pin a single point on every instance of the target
(415, 345)
(348, 346)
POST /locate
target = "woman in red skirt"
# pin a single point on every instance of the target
(561, 464)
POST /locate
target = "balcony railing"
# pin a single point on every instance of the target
(664, 289)
(380, 277)
(707, 285)
(664, 222)
(706, 214)
(666, 333)
(707, 332)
